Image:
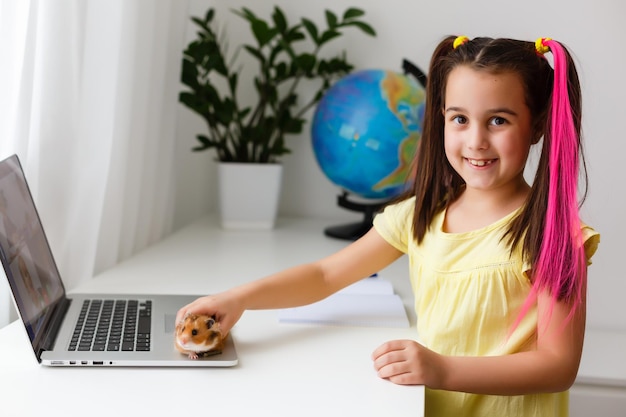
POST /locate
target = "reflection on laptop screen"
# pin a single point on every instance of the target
(27, 261)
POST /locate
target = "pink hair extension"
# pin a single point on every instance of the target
(561, 266)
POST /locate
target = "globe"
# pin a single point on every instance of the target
(365, 131)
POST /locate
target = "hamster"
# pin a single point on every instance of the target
(198, 336)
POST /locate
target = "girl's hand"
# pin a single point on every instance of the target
(224, 306)
(406, 362)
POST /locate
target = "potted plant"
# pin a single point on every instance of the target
(245, 135)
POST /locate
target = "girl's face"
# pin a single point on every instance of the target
(487, 134)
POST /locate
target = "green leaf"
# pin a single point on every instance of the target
(306, 62)
(328, 36)
(293, 126)
(206, 143)
(364, 27)
(331, 19)
(276, 50)
(279, 19)
(352, 13)
(210, 14)
(201, 23)
(255, 53)
(281, 71)
(243, 113)
(210, 94)
(189, 74)
(187, 98)
(311, 29)
(285, 46)
(320, 93)
(220, 65)
(193, 102)
(232, 81)
(335, 66)
(262, 32)
(289, 101)
(294, 34)
(224, 113)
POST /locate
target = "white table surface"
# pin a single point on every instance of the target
(284, 369)
(604, 359)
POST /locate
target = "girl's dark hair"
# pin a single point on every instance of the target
(436, 184)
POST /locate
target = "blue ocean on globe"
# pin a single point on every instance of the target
(365, 131)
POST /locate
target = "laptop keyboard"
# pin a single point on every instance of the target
(113, 325)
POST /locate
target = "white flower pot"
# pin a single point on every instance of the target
(248, 194)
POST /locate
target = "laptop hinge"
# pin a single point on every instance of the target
(55, 324)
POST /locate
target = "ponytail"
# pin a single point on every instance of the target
(436, 182)
(559, 267)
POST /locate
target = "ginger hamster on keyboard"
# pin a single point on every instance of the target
(198, 336)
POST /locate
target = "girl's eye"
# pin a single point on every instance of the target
(460, 120)
(498, 121)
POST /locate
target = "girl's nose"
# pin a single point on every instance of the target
(477, 138)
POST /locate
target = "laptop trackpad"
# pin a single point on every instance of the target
(170, 320)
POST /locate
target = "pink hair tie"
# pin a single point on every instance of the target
(460, 40)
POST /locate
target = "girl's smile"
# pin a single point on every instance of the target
(480, 162)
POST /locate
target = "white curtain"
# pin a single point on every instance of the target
(88, 96)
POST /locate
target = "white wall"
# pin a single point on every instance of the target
(411, 29)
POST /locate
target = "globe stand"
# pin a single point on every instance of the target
(353, 231)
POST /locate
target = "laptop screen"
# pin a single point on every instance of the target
(28, 263)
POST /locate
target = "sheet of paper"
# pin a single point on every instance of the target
(371, 303)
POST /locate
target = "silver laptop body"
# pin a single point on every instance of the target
(50, 316)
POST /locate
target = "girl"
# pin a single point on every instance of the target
(498, 267)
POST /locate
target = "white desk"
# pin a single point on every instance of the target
(284, 370)
(600, 388)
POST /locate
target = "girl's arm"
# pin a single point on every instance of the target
(551, 367)
(299, 285)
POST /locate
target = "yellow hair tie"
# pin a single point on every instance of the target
(460, 40)
(540, 45)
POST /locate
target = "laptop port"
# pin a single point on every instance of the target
(97, 363)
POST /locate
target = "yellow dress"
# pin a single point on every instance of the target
(468, 292)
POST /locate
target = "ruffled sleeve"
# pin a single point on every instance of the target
(394, 224)
(591, 239)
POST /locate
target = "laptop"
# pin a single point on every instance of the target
(100, 330)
